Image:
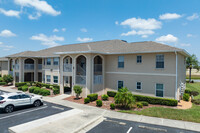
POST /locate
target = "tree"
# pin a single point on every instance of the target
(7, 78)
(124, 98)
(77, 90)
(192, 62)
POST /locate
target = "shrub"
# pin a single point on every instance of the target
(1, 79)
(186, 97)
(28, 84)
(20, 84)
(111, 93)
(37, 90)
(139, 105)
(104, 97)
(50, 87)
(93, 97)
(7, 78)
(66, 89)
(112, 106)
(43, 88)
(56, 91)
(196, 101)
(86, 100)
(25, 88)
(32, 89)
(99, 103)
(144, 103)
(77, 90)
(3, 83)
(20, 88)
(44, 92)
(157, 100)
(56, 86)
(124, 98)
(188, 91)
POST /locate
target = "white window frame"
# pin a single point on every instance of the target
(47, 78)
(120, 62)
(163, 61)
(47, 61)
(55, 61)
(118, 84)
(54, 80)
(140, 86)
(137, 59)
(163, 89)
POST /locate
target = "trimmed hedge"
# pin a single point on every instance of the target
(25, 88)
(20, 88)
(99, 103)
(190, 92)
(93, 97)
(3, 83)
(86, 100)
(32, 89)
(56, 91)
(144, 103)
(139, 105)
(186, 97)
(156, 100)
(104, 97)
(111, 93)
(20, 84)
(42, 92)
(112, 106)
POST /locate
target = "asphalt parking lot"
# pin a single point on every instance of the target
(122, 126)
(26, 114)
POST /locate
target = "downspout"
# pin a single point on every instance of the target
(176, 75)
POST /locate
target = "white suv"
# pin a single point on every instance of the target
(8, 101)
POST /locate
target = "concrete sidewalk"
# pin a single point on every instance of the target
(91, 114)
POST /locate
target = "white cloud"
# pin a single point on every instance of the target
(143, 33)
(55, 30)
(83, 30)
(185, 44)
(5, 47)
(169, 16)
(48, 41)
(36, 16)
(39, 5)
(168, 38)
(84, 39)
(189, 35)
(63, 29)
(116, 22)
(144, 24)
(194, 16)
(7, 33)
(10, 13)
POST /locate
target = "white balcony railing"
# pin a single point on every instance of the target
(40, 66)
(16, 66)
(80, 79)
(28, 66)
(98, 79)
(67, 68)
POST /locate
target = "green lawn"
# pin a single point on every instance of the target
(193, 77)
(192, 114)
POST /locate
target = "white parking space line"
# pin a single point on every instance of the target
(23, 112)
(121, 123)
(129, 129)
(153, 128)
(55, 107)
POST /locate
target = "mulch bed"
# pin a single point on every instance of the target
(106, 104)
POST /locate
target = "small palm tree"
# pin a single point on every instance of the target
(192, 62)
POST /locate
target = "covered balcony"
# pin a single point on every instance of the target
(29, 64)
(98, 74)
(81, 70)
(67, 64)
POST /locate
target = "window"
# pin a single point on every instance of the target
(43, 78)
(159, 61)
(55, 79)
(159, 90)
(120, 84)
(139, 59)
(44, 62)
(1, 98)
(66, 79)
(55, 61)
(120, 61)
(48, 61)
(139, 85)
(14, 97)
(48, 78)
(24, 96)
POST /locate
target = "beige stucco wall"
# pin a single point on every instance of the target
(145, 72)
(4, 67)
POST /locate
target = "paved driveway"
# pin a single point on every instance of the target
(27, 114)
(122, 126)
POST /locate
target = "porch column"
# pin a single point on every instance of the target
(61, 75)
(14, 77)
(35, 70)
(89, 74)
(73, 75)
(8, 66)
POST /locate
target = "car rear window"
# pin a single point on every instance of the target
(1, 98)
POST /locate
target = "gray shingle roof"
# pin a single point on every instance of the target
(103, 47)
(3, 59)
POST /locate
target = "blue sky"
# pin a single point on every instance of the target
(39, 24)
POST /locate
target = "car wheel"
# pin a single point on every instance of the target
(9, 109)
(37, 103)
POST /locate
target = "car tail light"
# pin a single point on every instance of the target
(1, 102)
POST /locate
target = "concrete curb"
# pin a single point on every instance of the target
(36, 123)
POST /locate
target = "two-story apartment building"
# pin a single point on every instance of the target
(3, 66)
(147, 68)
